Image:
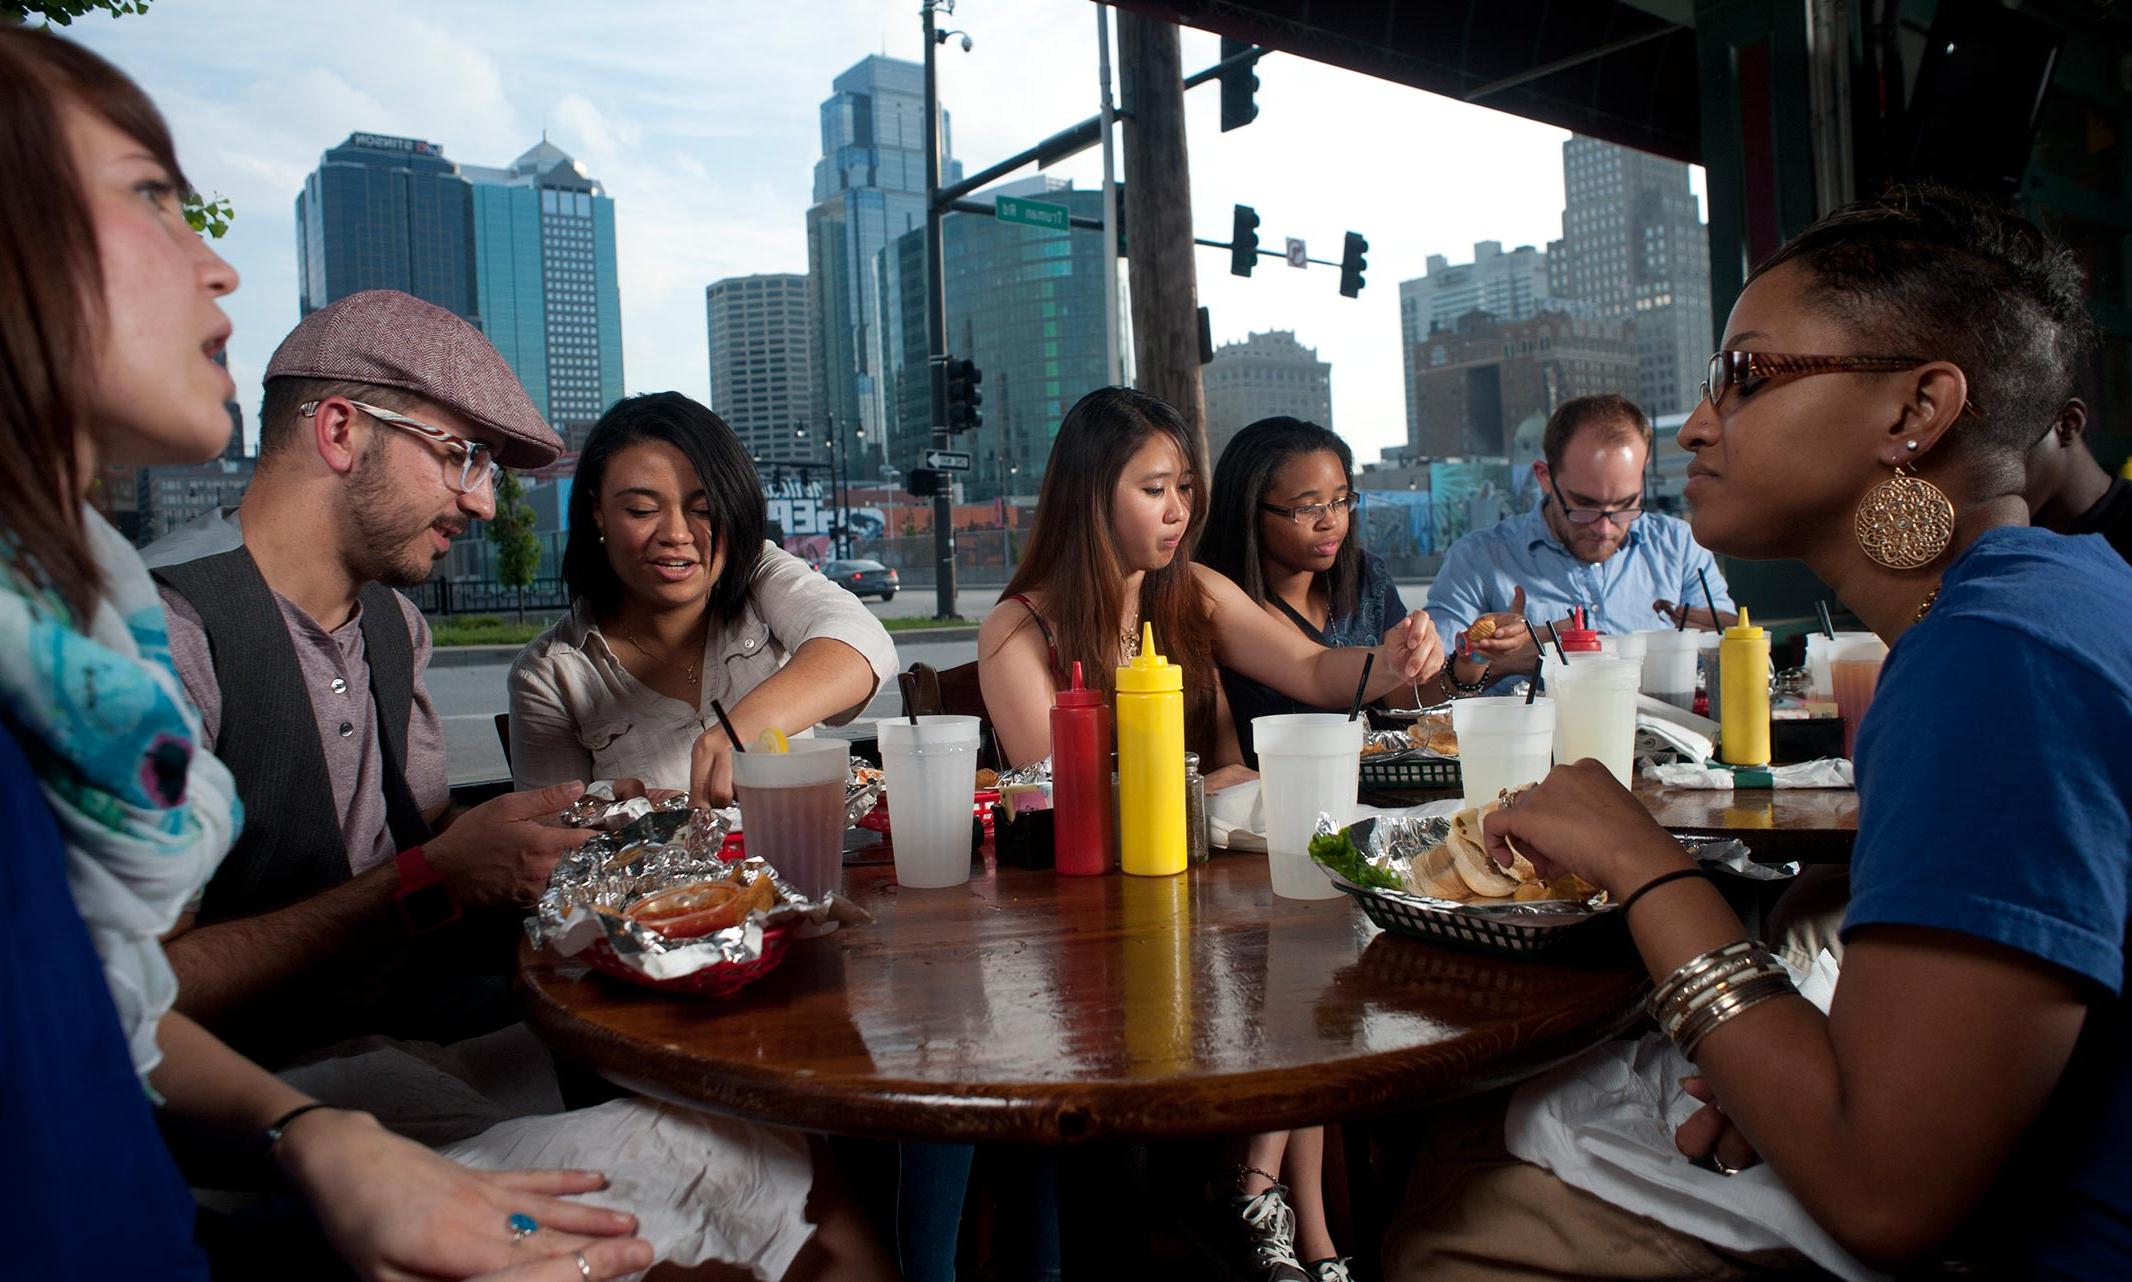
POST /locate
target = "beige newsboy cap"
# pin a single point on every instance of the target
(391, 339)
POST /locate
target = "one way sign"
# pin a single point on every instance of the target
(948, 460)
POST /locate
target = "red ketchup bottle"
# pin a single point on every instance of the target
(1577, 638)
(1080, 780)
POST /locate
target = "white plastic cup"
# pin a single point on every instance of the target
(1309, 764)
(1595, 713)
(930, 771)
(1819, 650)
(1629, 646)
(1669, 666)
(792, 810)
(1502, 743)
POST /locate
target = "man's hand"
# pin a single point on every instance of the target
(710, 769)
(499, 853)
(1708, 1135)
(1511, 643)
(1698, 617)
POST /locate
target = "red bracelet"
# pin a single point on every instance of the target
(1660, 880)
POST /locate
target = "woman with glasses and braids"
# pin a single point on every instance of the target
(1281, 526)
(1964, 1087)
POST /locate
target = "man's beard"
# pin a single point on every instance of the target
(383, 549)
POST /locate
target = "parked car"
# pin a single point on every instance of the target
(863, 578)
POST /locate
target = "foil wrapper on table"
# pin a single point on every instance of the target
(1427, 725)
(592, 888)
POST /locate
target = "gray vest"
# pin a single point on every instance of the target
(291, 847)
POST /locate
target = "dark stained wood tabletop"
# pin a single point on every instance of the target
(1810, 825)
(1028, 1007)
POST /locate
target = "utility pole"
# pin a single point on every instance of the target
(1108, 116)
(936, 326)
(1158, 218)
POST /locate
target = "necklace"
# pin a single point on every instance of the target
(1129, 639)
(1925, 607)
(689, 671)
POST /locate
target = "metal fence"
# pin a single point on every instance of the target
(481, 596)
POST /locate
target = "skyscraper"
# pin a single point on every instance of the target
(869, 188)
(1634, 248)
(382, 212)
(1026, 304)
(545, 271)
(1265, 375)
(1508, 286)
(761, 382)
(1484, 387)
(525, 252)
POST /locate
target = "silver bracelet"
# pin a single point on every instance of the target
(1696, 969)
(1730, 1007)
(1739, 973)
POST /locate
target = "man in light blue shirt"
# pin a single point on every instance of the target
(1589, 543)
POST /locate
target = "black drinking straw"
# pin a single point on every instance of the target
(1557, 639)
(1708, 600)
(1354, 709)
(909, 684)
(1538, 662)
(732, 735)
(1828, 626)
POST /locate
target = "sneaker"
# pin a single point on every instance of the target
(1332, 1270)
(1268, 1225)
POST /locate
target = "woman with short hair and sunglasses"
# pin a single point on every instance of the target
(1965, 1089)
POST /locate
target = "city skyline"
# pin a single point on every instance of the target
(712, 172)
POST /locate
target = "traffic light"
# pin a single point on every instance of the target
(963, 396)
(925, 482)
(1243, 241)
(1238, 85)
(1351, 264)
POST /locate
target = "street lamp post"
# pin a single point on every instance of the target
(936, 314)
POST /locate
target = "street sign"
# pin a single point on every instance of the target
(948, 460)
(1297, 256)
(1035, 213)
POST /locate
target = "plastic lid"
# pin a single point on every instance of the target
(1577, 637)
(1149, 672)
(1743, 630)
(1078, 695)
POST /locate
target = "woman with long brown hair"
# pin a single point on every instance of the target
(1124, 498)
(109, 326)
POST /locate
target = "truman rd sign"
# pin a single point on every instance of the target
(1035, 213)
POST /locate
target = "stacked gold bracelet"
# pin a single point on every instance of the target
(1706, 991)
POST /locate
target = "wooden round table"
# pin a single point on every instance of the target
(1028, 1007)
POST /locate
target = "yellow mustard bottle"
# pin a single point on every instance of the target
(1743, 667)
(1151, 831)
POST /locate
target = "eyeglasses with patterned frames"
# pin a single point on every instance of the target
(1312, 513)
(1748, 371)
(476, 470)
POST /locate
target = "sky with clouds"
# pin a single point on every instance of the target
(701, 120)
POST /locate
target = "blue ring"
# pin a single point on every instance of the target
(521, 1226)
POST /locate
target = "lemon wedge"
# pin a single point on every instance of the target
(772, 740)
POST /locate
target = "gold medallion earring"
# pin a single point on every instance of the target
(1904, 522)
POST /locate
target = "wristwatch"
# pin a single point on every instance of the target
(426, 903)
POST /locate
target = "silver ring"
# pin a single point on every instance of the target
(584, 1270)
(1711, 1162)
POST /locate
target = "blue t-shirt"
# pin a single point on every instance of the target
(1995, 799)
(96, 1193)
(1378, 607)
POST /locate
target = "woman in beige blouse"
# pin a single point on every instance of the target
(678, 600)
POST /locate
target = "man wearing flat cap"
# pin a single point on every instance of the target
(353, 905)
(384, 421)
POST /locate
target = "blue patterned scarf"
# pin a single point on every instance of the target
(147, 813)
